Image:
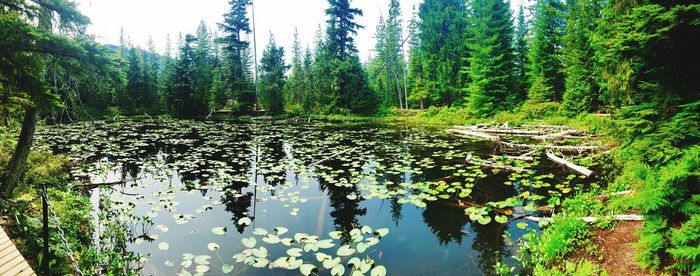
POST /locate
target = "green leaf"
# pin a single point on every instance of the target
(249, 242)
(345, 250)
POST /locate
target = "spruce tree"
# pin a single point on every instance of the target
(520, 55)
(272, 77)
(546, 69)
(235, 48)
(580, 95)
(295, 85)
(491, 67)
(340, 66)
(443, 43)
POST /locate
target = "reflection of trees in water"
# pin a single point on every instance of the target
(271, 159)
(445, 222)
(345, 211)
(488, 241)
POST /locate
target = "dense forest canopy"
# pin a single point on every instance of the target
(635, 60)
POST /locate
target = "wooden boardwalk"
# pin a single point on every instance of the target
(11, 261)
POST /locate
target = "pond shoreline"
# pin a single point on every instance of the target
(418, 120)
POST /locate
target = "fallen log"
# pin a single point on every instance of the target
(513, 131)
(577, 149)
(592, 219)
(606, 196)
(556, 136)
(474, 134)
(523, 158)
(489, 164)
(90, 185)
(332, 156)
(574, 167)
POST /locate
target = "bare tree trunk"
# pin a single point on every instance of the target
(15, 168)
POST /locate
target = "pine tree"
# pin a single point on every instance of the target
(416, 75)
(520, 55)
(341, 28)
(183, 100)
(295, 85)
(491, 66)
(546, 77)
(272, 76)
(203, 64)
(580, 95)
(339, 65)
(235, 26)
(443, 43)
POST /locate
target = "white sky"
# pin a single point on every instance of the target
(157, 18)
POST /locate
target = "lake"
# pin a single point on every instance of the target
(270, 198)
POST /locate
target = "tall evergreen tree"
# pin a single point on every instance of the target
(491, 67)
(295, 85)
(520, 55)
(272, 77)
(546, 69)
(236, 24)
(581, 93)
(203, 63)
(342, 28)
(387, 67)
(443, 43)
(183, 100)
(339, 63)
(416, 74)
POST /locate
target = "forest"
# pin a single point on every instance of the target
(620, 76)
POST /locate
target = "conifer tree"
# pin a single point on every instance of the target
(520, 55)
(235, 49)
(580, 95)
(443, 43)
(295, 85)
(339, 64)
(491, 67)
(546, 77)
(272, 78)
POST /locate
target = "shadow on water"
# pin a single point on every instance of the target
(193, 177)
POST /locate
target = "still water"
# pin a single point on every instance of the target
(270, 198)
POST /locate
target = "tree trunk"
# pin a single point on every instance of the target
(15, 167)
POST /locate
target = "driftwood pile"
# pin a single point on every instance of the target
(544, 138)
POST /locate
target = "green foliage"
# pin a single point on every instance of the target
(685, 243)
(442, 33)
(491, 65)
(557, 241)
(572, 268)
(580, 95)
(272, 77)
(545, 51)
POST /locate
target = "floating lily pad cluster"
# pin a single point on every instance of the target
(279, 163)
(306, 252)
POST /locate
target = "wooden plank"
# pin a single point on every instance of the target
(9, 256)
(11, 260)
(11, 264)
(21, 267)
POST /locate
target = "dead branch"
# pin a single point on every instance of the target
(568, 164)
(592, 219)
(512, 131)
(577, 149)
(90, 185)
(332, 156)
(493, 165)
(556, 136)
(474, 134)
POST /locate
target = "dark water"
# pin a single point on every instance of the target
(192, 177)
